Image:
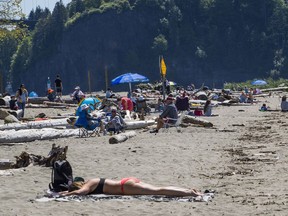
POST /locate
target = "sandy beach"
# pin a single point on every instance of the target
(243, 157)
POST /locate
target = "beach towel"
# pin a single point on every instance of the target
(53, 196)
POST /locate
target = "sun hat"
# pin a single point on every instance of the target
(77, 88)
(84, 106)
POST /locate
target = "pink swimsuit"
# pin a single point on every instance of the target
(124, 180)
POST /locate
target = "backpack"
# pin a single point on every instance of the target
(61, 176)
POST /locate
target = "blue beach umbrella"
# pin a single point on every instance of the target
(258, 82)
(129, 78)
(93, 102)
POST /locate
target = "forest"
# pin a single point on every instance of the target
(202, 41)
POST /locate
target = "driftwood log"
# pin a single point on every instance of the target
(275, 89)
(12, 136)
(132, 125)
(16, 113)
(5, 101)
(35, 124)
(56, 153)
(25, 159)
(40, 106)
(122, 137)
(197, 121)
(3, 113)
(49, 103)
(40, 100)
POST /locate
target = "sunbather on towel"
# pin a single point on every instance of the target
(126, 186)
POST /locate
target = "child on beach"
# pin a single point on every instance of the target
(263, 108)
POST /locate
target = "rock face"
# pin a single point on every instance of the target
(120, 43)
(93, 43)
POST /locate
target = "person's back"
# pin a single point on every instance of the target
(77, 95)
(127, 104)
(182, 103)
(170, 111)
(13, 103)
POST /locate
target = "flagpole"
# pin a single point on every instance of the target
(163, 77)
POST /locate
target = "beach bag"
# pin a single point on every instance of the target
(62, 176)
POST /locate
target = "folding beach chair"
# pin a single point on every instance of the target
(176, 125)
(86, 130)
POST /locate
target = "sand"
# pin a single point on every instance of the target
(246, 165)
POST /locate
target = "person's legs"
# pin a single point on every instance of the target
(141, 188)
(160, 123)
(22, 107)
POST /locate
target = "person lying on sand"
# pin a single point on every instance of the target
(126, 186)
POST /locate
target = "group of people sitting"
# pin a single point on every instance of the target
(111, 122)
(247, 95)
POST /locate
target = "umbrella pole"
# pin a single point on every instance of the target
(130, 89)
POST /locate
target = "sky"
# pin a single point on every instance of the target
(28, 5)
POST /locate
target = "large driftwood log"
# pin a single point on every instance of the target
(12, 136)
(36, 124)
(49, 103)
(5, 101)
(41, 106)
(196, 120)
(132, 125)
(275, 89)
(3, 113)
(122, 137)
(10, 119)
(16, 113)
(40, 100)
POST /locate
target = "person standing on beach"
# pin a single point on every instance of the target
(22, 98)
(58, 86)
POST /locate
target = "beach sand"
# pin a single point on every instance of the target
(246, 164)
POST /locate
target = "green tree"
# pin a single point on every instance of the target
(75, 6)
(20, 60)
(160, 44)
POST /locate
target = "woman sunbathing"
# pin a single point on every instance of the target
(126, 186)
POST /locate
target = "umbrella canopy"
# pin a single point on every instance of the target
(258, 82)
(93, 102)
(171, 83)
(129, 78)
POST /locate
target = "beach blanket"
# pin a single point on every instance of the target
(52, 196)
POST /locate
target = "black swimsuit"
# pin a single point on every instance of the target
(99, 188)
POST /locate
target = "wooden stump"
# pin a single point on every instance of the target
(196, 120)
(121, 137)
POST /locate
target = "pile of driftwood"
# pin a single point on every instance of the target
(25, 159)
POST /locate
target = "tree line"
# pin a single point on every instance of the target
(229, 37)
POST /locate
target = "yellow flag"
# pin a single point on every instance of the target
(163, 67)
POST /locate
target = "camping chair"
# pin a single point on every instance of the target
(176, 125)
(141, 106)
(86, 130)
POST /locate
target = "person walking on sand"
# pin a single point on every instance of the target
(22, 98)
(125, 186)
(58, 87)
